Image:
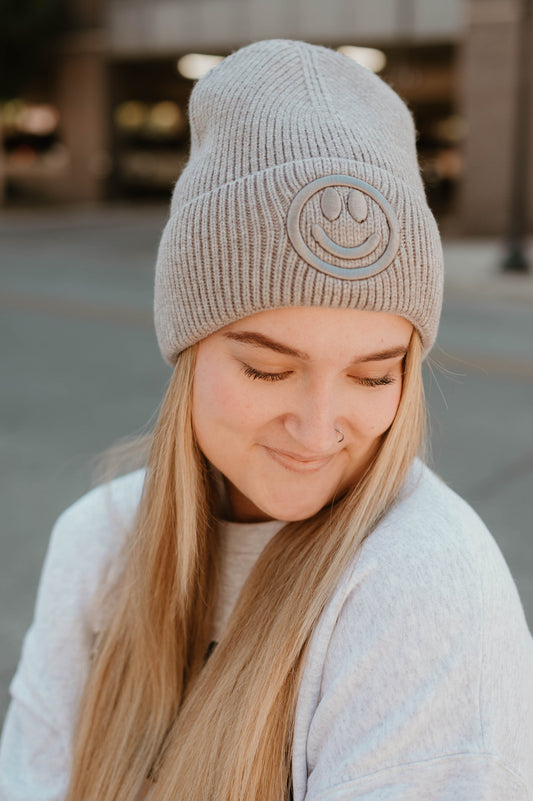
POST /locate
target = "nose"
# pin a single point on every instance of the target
(313, 421)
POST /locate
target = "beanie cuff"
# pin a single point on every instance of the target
(227, 254)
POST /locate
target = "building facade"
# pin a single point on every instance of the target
(121, 101)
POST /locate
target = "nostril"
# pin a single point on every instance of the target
(357, 206)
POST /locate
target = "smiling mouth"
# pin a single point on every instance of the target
(357, 252)
(298, 464)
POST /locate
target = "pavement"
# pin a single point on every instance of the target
(80, 370)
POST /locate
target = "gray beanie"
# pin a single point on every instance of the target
(302, 189)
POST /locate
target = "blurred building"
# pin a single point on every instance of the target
(113, 114)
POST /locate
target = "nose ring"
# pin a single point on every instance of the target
(342, 435)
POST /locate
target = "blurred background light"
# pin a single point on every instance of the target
(195, 65)
(11, 112)
(369, 57)
(166, 118)
(131, 115)
(40, 120)
(37, 119)
(451, 129)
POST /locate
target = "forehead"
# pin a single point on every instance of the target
(320, 331)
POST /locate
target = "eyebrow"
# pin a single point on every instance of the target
(261, 341)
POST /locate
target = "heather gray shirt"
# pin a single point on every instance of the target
(240, 544)
(418, 684)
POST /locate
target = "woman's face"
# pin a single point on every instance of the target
(270, 390)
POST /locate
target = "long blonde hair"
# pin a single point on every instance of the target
(154, 714)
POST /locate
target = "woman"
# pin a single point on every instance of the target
(286, 602)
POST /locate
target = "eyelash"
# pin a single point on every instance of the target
(376, 382)
(251, 372)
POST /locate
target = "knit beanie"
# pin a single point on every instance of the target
(302, 189)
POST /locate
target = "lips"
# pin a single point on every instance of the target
(297, 463)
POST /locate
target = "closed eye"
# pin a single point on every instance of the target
(251, 372)
(375, 382)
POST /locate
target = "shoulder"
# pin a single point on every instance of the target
(429, 600)
(427, 503)
(420, 574)
(96, 520)
(433, 538)
(423, 650)
(432, 562)
(113, 502)
(87, 541)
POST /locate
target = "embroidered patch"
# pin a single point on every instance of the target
(362, 213)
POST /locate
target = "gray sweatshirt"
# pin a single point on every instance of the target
(418, 684)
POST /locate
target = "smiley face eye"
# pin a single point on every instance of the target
(331, 204)
(357, 205)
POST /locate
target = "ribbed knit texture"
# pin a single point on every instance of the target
(265, 123)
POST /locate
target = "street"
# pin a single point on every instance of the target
(81, 369)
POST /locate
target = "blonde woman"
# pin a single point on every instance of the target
(284, 602)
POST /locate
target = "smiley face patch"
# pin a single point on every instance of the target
(343, 227)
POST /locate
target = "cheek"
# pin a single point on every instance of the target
(379, 411)
(219, 401)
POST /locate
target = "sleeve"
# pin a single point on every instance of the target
(398, 713)
(35, 749)
(34, 761)
(461, 777)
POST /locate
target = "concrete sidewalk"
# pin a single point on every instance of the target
(474, 266)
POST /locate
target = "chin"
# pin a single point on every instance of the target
(291, 512)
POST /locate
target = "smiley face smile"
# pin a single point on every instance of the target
(358, 252)
(311, 240)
